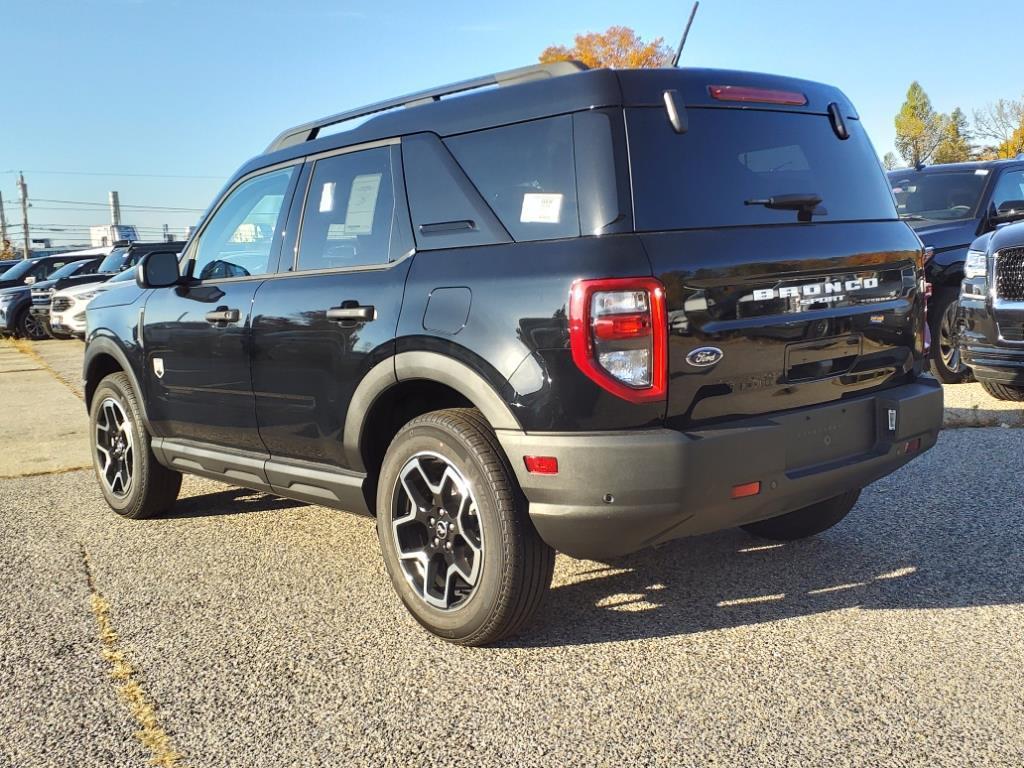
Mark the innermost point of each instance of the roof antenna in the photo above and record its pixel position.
(679, 50)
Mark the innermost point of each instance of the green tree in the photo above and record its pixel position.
(890, 161)
(955, 146)
(919, 128)
(618, 47)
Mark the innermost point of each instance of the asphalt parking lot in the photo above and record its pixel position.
(247, 630)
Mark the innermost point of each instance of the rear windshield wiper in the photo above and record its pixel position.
(804, 203)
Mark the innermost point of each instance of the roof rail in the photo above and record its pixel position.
(309, 131)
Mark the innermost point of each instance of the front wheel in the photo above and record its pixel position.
(943, 317)
(30, 327)
(807, 521)
(457, 541)
(134, 484)
(1008, 392)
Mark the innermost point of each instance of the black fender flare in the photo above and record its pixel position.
(104, 345)
(429, 366)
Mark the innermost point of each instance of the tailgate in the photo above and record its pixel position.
(792, 315)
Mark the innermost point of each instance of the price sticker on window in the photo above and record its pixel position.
(541, 208)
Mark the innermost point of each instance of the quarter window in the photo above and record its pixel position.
(349, 217)
(527, 174)
(239, 240)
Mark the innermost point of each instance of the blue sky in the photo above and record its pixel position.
(189, 88)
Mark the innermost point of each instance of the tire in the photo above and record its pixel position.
(1009, 392)
(508, 566)
(947, 362)
(134, 484)
(805, 522)
(28, 327)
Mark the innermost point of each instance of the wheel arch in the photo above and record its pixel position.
(103, 357)
(407, 385)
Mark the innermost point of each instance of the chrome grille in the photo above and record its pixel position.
(60, 304)
(1010, 274)
(1012, 332)
(41, 298)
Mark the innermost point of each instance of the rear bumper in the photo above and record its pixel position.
(617, 492)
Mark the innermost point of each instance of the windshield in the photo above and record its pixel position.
(937, 196)
(114, 261)
(723, 170)
(68, 269)
(128, 274)
(19, 270)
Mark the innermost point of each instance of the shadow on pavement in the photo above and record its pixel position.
(935, 552)
(232, 501)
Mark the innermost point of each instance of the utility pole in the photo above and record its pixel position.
(167, 236)
(23, 187)
(3, 220)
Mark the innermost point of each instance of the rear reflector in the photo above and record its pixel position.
(541, 465)
(747, 489)
(759, 95)
(913, 446)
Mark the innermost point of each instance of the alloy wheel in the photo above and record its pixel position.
(949, 349)
(33, 328)
(115, 447)
(437, 531)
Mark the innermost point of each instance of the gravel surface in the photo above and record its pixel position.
(266, 634)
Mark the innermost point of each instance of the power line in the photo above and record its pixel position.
(126, 175)
(107, 204)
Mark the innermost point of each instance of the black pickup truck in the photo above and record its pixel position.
(948, 206)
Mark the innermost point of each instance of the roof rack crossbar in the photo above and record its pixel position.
(309, 131)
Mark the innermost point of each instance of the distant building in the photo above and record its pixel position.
(108, 234)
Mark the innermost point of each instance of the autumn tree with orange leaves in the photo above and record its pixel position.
(618, 47)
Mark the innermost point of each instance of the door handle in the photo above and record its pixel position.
(349, 310)
(222, 315)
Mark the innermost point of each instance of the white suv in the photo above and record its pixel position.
(67, 307)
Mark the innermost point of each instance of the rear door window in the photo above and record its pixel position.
(706, 176)
(527, 174)
(349, 215)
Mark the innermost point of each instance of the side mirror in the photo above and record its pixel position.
(1008, 210)
(29, 280)
(158, 269)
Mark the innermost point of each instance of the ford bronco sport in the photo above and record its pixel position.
(585, 311)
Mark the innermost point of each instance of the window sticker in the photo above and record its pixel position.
(981, 172)
(327, 197)
(362, 202)
(541, 208)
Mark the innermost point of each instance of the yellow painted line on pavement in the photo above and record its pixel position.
(127, 681)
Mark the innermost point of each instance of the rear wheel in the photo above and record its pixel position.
(134, 484)
(943, 311)
(457, 541)
(30, 327)
(1004, 391)
(807, 521)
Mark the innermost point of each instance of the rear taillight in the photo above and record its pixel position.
(757, 95)
(618, 335)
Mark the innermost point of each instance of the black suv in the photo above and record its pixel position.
(502, 329)
(991, 331)
(948, 206)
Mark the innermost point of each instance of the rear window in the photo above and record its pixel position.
(527, 174)
(704, 177)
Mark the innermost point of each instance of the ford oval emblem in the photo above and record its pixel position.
(703, 357)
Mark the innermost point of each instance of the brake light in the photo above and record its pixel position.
(759, 95)
(618, 332)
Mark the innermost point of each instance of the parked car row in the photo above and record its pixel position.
(47, 296)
